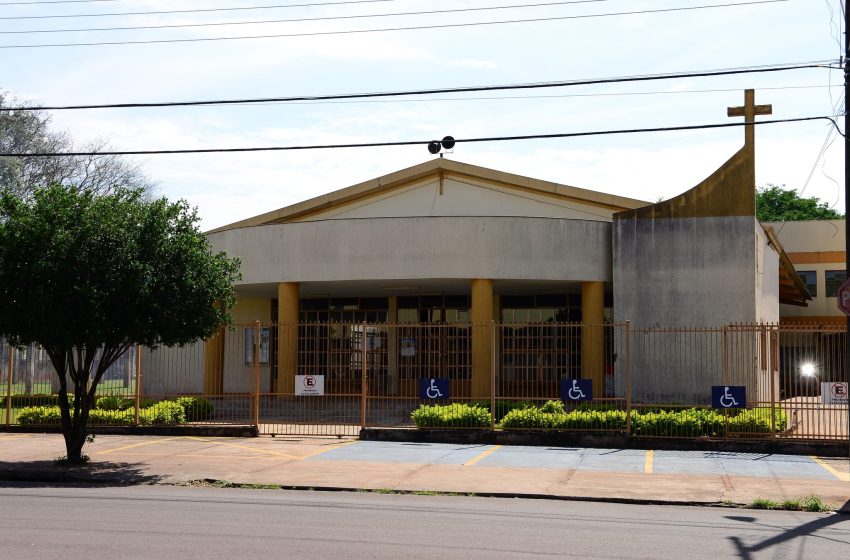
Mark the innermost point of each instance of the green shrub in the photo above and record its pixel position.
(757, 420)
(98, 417)
(196, 408)
(542, 418)
(163, 412)
(503, 406)
(111, 402)
(529, 418)
(451, 416)
(593, 420)
(39, 415)
(553, 407)
(688, 422)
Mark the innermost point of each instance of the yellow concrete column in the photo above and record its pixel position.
(214, 363)
(592, 344)
(287, 337)
(482, 340)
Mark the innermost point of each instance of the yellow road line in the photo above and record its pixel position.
(482, 455)
(647, 462)
(319, 452)
(837, 474)
(245, 447)
(137, 445)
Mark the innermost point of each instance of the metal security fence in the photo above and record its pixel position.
(334, 378)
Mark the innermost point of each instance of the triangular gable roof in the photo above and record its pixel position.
(438, 167)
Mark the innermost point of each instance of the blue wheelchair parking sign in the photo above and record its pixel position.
(729, 396)
(432, 388)
(576, 390)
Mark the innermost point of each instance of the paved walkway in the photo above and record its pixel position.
(347, 463)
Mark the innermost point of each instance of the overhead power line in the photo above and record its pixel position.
(54, 2)
(418, 142)
(389, 29)
(294, 20)
(225, 9)
(435, 91)
(556, 96)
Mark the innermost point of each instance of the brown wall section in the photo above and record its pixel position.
(729, 191)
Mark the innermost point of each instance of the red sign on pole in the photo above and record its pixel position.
(844, 297)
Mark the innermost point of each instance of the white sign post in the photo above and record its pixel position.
(309, 385)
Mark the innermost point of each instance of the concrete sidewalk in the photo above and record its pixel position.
(686, 477)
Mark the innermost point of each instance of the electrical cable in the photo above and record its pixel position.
(421, 142)
(390, 29)
(292, 20)
(562, 96)
(435, 91)
(225, 9)
(54, 2)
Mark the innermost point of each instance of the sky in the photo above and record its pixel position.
(571, 40)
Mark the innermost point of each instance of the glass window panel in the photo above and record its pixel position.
(408, 315)
(834, 279)
(810, 279)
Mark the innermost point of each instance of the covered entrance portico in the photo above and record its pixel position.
(461, 330)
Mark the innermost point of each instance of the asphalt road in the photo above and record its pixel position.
(95, 523)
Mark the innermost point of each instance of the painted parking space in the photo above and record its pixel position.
(738, 464)
(281, 449)
(406, 452)
(618, 460)
(604, 460)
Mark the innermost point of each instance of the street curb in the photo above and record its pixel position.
(182, 430)
(64, 476)
(604, 440)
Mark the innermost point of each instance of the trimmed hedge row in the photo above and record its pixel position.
(690, 422)
(451, 416)
(178, 411)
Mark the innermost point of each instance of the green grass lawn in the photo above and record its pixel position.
(108, 387)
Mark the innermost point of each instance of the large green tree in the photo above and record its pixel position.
(776, 204)
(87, 276)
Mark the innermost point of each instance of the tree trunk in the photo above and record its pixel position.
(75, 438)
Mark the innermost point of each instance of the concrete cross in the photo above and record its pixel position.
(749, 112)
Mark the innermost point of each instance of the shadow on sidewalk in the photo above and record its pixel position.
(809, 529)
(96, 472)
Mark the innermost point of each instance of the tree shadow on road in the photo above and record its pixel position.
(809, 529)
(103, 473)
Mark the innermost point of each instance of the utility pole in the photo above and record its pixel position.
(847, 200)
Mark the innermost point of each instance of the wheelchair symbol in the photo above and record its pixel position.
(433, 391)
(727, 401)
(575, 392)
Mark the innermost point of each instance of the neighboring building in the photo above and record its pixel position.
(817, 249)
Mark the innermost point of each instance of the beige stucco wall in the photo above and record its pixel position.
(463, 197)
(421, 248)
(238, 376)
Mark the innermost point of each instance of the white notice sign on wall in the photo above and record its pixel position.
(309, 385)
(833, 392)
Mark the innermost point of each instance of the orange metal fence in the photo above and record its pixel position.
(336, 378)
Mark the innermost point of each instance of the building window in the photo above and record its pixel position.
(834, 279)
(810, 279)
(250, 348)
